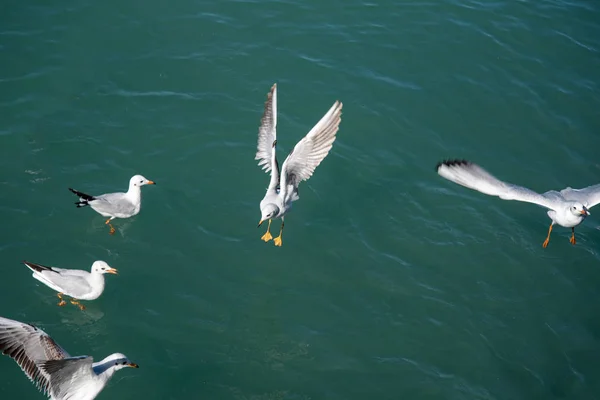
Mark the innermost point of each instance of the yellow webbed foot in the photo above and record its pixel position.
(545, 244)
(78, 304)
(267, 236)
(112, 230)
(277, 241)
(572, 240)
(61, 303)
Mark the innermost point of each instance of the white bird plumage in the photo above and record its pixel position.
(299, 165)
(78, 284)
(50, 367)
(567, 208)
(116, 205)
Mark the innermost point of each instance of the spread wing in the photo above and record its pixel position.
(589, 196)
(69, 376)
(309, 152)
(267, 138)
(29, 346)
(474, 177)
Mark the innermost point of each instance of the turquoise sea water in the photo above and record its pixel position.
(392, 283)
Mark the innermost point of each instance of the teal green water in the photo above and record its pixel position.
(392, 283)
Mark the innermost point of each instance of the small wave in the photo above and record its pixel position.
(161, 93)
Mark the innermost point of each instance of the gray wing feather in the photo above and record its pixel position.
(267, 132)
(74, 285)
(474, 177)
(73, 272)
(62, 372)
(28, 346)
(310, 151)
(113, 203)
(589, 196)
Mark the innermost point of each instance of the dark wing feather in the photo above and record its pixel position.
(28, 346)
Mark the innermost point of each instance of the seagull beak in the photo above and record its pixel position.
(585, 211)
(151, 183)
(112, 271)
(260, 223)
(132, 365)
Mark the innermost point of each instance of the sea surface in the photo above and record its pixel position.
(392, 283)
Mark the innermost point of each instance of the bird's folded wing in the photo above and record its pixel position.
(589, 196)
(113, 203)
(311, 150)
(28, 346)
(474, 177)
(74, 285)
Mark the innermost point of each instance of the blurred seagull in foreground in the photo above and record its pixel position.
(299, 164)
(49, 366)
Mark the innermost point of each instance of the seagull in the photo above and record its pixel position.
(78, 284)
(49, 366)
(299, 164)
(116, 205)
(567, 208)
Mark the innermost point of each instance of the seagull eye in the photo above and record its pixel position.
(141, 181)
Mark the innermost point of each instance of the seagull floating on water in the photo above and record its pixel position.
(50, 367)
(299, 164)
(567, 208)
(116, 205)
(75, 283)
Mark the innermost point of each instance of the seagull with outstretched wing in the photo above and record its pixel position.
(567, 208)
(50, 367)
(299, 164)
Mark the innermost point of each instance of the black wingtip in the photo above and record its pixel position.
(36, 267)
(85, 197)
(452, 163)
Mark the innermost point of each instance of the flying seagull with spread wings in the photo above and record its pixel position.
(116, 205)
(49, 366)
(299, 164)
(567, 208)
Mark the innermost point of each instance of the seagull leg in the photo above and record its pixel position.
(545, 244)
(76, 302)
(61, 302)
(277, 240)
(267, 236)
(112, 229)
(572, 240)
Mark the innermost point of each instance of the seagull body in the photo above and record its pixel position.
(567, 208)
(50, 367)
(77, 284)
(116, 205)
(299, 164)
